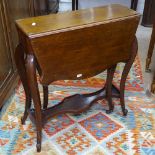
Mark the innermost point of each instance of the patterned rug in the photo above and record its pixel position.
(90, 133)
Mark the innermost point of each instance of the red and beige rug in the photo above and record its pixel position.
(91, 133)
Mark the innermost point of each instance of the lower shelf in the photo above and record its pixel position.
(75, 104)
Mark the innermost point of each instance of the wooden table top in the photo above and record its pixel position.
(54, 23)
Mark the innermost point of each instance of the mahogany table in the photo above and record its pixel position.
(74, 45)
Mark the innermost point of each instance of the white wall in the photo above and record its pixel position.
(64, 5)
(140, 6)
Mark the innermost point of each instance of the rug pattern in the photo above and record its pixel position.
(92, 132)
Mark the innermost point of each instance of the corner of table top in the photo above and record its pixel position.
(55, 23)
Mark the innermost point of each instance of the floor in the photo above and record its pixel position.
(143, 33)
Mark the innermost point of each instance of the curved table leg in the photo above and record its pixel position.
(32, 82)
(45, 92)
(125, 74)
(45, 87)
(110, 75)
(20, 63)
(150, 51)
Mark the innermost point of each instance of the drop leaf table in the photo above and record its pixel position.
(73, 46)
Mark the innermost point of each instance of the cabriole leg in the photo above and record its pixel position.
(32, 81)
(110, 75)
(125, 74)
(45, 92)
(20, 63)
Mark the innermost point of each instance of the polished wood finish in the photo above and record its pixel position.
(149, 56)
(45, 92)
(19, 58)
(67, 37)
(149, 13)
(73, 45)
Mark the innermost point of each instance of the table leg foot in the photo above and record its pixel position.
(148, 70)
(109, 111)
(23, 119)
(38, 146)
(27, 107)
(125, 112)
